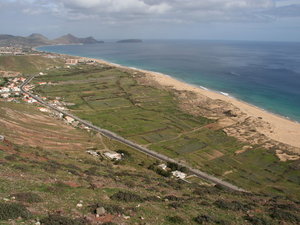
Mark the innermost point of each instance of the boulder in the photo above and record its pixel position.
(100, 211)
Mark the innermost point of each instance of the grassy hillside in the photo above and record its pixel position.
(113, 99)
(46, 176)
(27, 64)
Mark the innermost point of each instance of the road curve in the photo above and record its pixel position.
(142, 149)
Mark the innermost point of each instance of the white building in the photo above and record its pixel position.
(16, 89)
(113, 155)
(1, 138)
(163, 166)
(31, 100)
(178, 174)
(44, 109)
(5, 89)
(5, 95)
(93, 153)
(69, 119)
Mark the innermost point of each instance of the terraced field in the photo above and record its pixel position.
(113, 99)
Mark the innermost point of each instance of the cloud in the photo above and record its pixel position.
(168, 11)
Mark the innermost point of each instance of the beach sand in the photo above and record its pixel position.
(280, 129)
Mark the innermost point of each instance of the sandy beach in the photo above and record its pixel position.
(282, 129)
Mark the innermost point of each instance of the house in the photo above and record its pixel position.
(178, 174)
(16, 89)
(113, 155)
(5, 89)
(1, 138)
(42, 83)
(69, 119)
(93, 153)
(43, 109)
(163, 166)
(5, 95)
(71, 61)
(31, 100)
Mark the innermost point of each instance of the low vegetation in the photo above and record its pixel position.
(13, 211)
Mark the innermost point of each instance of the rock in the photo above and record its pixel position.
(230, 113)
(126, 217)
(100, 211)
(79, 205)
(1, 138)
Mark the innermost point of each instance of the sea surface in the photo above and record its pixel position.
(265, 74)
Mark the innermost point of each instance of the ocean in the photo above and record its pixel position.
(265, 74)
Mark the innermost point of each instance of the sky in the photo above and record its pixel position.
(261, 20)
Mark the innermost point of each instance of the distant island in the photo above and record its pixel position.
(130, 41)
(35, 39)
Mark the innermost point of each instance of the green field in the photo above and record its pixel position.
(113, 99)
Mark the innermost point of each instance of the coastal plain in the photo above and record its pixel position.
(166, 119)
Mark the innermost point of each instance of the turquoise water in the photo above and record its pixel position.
(264, 74)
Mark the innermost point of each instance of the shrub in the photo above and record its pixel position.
(11, 157)
(127, 197)
(175, 205)
(257, 220)
(175, 166)
(124, 153)
(159, 170)
(22, 167)
(152, 199)
(13, 211)
(110, 208)
(234, 205)
(61, 220)
(172, 198)
(175, 219)
(162, 172)
(27, 197)
(284, 216)
(92, 171)
(202, 219)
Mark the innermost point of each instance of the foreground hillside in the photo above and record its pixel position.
(47, 176)
(50, 173)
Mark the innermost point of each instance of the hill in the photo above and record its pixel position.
(28, 64)
(38, 39)
(47, 176)
(71, 39)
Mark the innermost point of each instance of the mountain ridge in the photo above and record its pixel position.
(37, 39)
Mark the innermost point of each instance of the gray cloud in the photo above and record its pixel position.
(168, 11)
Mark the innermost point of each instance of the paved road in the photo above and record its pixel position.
(118, 138)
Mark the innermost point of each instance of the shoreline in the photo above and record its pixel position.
(283, 130)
